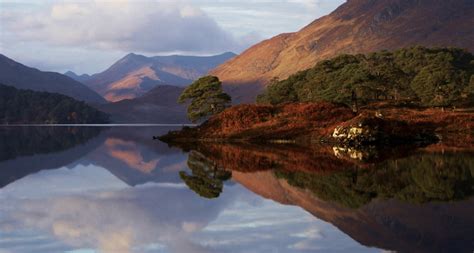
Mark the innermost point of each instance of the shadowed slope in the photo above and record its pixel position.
(22, 77)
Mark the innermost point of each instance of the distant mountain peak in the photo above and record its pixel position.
(134, 56)
(80, 78)
(134, 74)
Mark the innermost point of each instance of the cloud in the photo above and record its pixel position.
(88, 36)
(146, 26)
(307, 3)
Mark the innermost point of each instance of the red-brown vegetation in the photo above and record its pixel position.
(253, 157)
(309, 122)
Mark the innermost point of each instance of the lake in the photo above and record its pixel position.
(115, 189)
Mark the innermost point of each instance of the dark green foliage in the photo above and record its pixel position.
(28, 107)
(430, 77)
(207, 98)
(207, 179)
(417, 179)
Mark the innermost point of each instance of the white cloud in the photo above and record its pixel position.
(88, 36)
(145, 26)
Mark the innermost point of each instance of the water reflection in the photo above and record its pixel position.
(117, 190)
(207, 179)
(399, 200)
(27, 150)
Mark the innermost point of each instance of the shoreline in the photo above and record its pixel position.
(324, 122)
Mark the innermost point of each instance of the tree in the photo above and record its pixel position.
(429, 77)
(206, 98)
(207, 180)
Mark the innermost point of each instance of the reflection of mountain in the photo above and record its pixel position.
(388, 224)
(131, 155)
(136, 159)
(404, 204)
(26, 150)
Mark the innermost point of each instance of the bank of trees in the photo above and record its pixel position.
(427, 77)
(28, 107)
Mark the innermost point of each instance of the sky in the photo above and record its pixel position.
(87, 36)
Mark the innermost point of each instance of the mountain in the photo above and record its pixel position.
(357, 26)
(80, 78)
(22, 77)
(134, 75)
(156, 106)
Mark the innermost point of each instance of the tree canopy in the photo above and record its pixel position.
(428, 77)
(206, 98)
(27, 107)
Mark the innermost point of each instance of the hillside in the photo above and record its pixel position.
(22, 77)
(358, 26)
(33, 107)
(134, 75)
(422, 76)
(156, 106)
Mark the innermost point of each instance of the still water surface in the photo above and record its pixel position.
(114, 189)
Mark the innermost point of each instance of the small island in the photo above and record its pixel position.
(409, 96)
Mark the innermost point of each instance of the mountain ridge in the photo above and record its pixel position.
(357, 26)
(20, 76)
(77, 77)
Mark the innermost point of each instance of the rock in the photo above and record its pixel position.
(368, 130)
(362, 131)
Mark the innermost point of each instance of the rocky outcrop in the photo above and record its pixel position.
(367, 130)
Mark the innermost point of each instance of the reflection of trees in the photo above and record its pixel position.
(27, 150)
(207, 179)
(393, 173)
(416, 179)
(26, 141)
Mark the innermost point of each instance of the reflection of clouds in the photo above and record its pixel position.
(149, 218)
(309, 239)
(117, 221)
(270, 227)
